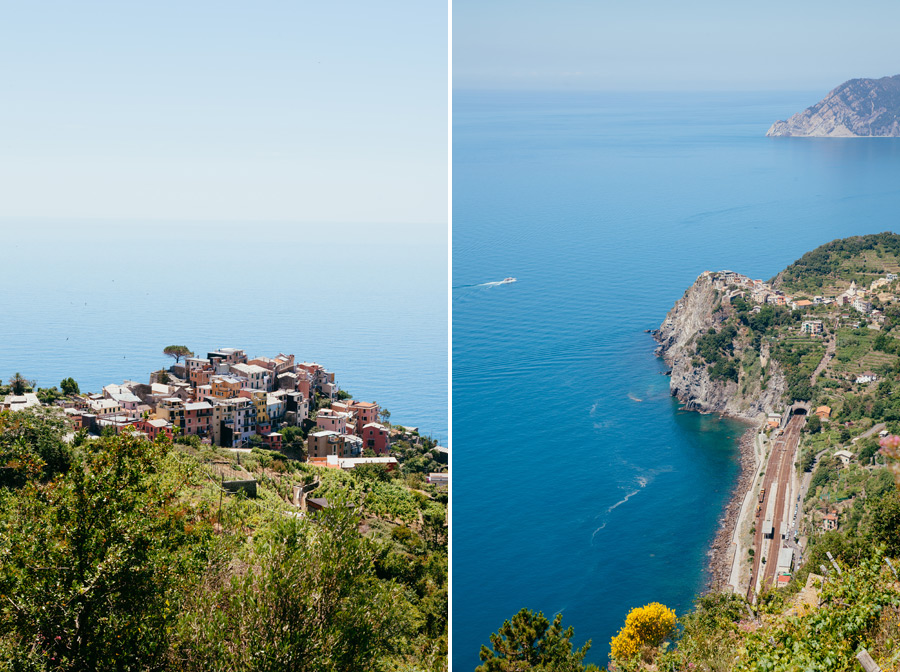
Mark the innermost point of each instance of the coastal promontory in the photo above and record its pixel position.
(715, 365)
(856, 108)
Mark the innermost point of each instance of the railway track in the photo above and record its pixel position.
(776, 482)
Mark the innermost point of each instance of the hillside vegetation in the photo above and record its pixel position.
(119, 553)
(830, 268)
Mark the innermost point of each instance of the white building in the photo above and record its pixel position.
(844, 456)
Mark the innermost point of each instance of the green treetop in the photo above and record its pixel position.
(529, 642)
(177, 351)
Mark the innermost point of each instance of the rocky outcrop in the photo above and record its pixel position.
(857, 108)
(702, 308)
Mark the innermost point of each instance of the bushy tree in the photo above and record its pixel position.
(177, 352)
(646, 626)
(528, 641)
(93, 563)
(884, 522)
(69, 386)
(434, 524)
(32, 445)
(866, 450)
(813, 425)
(306, 599)
(48, 395)
(19, 384)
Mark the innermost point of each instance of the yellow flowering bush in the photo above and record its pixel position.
(644, 626)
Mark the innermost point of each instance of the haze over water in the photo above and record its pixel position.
(98, 301)
(578, 483)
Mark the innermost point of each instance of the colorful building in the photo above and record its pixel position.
(362, 412)
(153, 427)
(198, 418)
(233, 422)
(324, 443)
(376, 437)
(258, 377)
(332, 420)
(225, 387)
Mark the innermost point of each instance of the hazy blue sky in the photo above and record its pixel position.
(663, 45)
(174, 109)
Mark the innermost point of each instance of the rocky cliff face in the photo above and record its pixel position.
(858, 108)
(701, 308)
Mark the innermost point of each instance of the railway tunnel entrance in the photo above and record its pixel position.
(800, 408)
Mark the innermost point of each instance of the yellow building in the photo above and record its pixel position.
(259, 398)
(225, 387)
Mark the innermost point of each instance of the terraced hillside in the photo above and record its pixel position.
(830, 268)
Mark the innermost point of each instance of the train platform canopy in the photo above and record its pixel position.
(785, 561)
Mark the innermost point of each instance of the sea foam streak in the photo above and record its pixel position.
(642, 481)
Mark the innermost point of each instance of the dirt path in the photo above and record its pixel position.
(865, 435)
(830, 349)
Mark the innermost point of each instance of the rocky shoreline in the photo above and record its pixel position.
(718, 567)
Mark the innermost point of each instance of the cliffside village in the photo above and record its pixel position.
(226, 398)
(854, 297)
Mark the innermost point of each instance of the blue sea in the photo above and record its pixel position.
(579, 485)
(99, 300)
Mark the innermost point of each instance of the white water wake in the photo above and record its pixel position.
(493, 283)
(642, 482)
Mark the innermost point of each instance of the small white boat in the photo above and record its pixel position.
(506, 281)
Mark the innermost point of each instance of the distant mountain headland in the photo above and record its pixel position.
(857, 108)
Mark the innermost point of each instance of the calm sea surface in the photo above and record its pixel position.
(99, 301)
(579, 485)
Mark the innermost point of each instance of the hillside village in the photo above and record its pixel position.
(859, 299)
(232, 401)
(823, 315)
(230, 513)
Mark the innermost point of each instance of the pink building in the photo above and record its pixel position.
(153, 427)
(334, 421)
(198, 418)
(272, 441)
(377, 438)
(303, 386)
(200, 377)
(363, 412)
(366, 413)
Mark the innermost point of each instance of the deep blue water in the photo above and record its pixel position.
(578, 484)
(99, 301)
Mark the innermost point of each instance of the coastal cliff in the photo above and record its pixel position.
(752, 384)
(857, 108)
